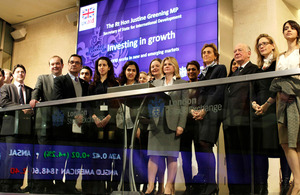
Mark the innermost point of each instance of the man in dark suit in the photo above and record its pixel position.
(16, 126)
(71, 86)
(43, 91)
(236, 125)
(69, 132)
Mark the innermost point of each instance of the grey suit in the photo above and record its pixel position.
(176, 113)
(10, 97)
(173, 114)
(16, 128)
(43, 90)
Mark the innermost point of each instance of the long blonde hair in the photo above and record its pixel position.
(260, 58)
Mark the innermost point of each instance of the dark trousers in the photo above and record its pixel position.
(238, 159)
(186, 154)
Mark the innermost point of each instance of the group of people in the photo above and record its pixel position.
(253, 131)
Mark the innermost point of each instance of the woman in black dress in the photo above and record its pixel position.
(266, 143)
(101, 129)
(104, 77)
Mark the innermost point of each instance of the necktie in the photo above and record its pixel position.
(76, 79)
(237, 72)
(21, 96)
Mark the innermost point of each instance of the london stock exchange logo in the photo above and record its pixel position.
(156, 107)
(57, 118)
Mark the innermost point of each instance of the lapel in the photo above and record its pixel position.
(70, 84)
(15, 93)
(84, 87)
(28, 94)
(246, 69)
(50, 81)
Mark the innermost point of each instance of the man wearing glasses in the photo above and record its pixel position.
(67, 118)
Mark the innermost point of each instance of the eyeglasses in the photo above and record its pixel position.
(191, 69)
(262, 44)
(74, 62)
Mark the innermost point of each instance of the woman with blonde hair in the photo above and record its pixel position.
(155, 69)
(167, 126)
(288, 93)
(266, 142)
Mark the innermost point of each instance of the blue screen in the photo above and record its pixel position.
(143, 30)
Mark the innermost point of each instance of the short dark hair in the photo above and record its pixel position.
(75, 55)
(2, 71)
(293, 24)
(19, 66)
(55, 56)
(215, 49)
(89, 69)
(195, 63)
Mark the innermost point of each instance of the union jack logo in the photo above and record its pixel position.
(88, 13)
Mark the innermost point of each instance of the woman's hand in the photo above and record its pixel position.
(97, 121)
(255, 106)
(100, 123)
(262, 109)
(179, 131)
(138, 133)
(198, 114)
(79, 119)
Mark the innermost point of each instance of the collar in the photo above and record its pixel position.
(72, 76)
(17, 84)
(174, 78)
(211, 64)
(57, 76)
(243, 66)
(204, 70)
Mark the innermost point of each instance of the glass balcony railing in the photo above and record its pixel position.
(115, 143)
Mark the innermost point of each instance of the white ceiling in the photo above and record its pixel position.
(18, 11)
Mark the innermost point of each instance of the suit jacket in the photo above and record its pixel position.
(237, 100)
(176, 112)
(43, 90)
(63, 115)
(63, 87)
(10, 97)
(211, 98)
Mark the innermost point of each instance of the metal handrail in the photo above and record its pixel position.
(124, 94)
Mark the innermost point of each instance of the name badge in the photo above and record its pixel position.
(103, 108)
